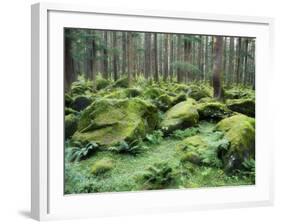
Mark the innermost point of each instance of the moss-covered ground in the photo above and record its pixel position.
(127, 169)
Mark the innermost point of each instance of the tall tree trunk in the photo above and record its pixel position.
(115, 56)
(179, 55)
(246, 61)
(156, 75)
(171, 57)
(166, 56)
(230, 61)
(124, 52)
(206, 67)
(130, 55)
(217, 70)
(105, 55)
(147, 56)
(94, 60)
(69, 75)
(238, 60)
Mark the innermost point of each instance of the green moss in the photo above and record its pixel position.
(153, 93)
(68, 111)
(102, 166)
(198, 92)
(108, 121)
(244, 106)
(213, 110)
(102, 83)
(70, 125)
(122, 83)
(182, 115)
(240, 132)
(164, 102)
(192, 157)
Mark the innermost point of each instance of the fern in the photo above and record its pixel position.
(134, 147)
(78, 152)
(155, 138)
(182, 134)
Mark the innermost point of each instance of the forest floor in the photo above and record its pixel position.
(99, 158)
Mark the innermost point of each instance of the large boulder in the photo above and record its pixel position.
(109, 121)
(81, 102)
(70, 125)
(198, 92)
(182, 115)
(243, 106)
(239, 130)
(213, 111)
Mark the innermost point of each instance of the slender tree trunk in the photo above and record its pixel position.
(166, 57)
(238, 59)
(94, 61)
(179, 55)
(68, 68)
(156, 75)
(217, 70)
(124, 52)
(105, 56)
(230, 61)
(206, 70)
(130, 55)
(147, 48)
(171, 57)
(115, 56)
(246, 61)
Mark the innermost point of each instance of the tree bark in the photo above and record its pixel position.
(166, 57)
(147, 56)
(105, 55)
(69, 75)
(230, 61)
(115, 55)
(217, 70)
(156, 75)
(130, 55)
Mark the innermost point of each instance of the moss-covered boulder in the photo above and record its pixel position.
(239, 93)
(243, 106)
(81, 102)
(70, 125)
(122, 83)
(110, 121)
(153, 93)
(198, 92)
(102, 166)
(182, 115)
(122, 93)
(179, 98)
(163, 102)
(68, 110)
(213, 111)
(239, 130)
(191, 149)
(102, 83)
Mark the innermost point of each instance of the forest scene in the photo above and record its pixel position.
(151, 111)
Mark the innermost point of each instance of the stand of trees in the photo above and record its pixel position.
(159, 56)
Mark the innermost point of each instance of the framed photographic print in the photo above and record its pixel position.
(138, 111)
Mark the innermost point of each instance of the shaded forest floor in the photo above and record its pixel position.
(177, 137)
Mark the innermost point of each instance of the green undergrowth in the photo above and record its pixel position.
(158, 165)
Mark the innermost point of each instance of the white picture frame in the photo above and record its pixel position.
(48, 201)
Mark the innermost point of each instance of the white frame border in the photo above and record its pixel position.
(40, 104)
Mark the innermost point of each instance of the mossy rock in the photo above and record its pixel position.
(164, 102)
(133, 92)
(198, 92)
(239, 130)
(243, 106)
(179, 98)
(213, 111)
(122, 93)
(153, 93)
(191, 149)
(239, 93)
(81, 102)
(102, 83)
(207, 100)
(70, 125)
(121, 83)
(102, 166)
(68, 111)
(182, 115)
(110, 121)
